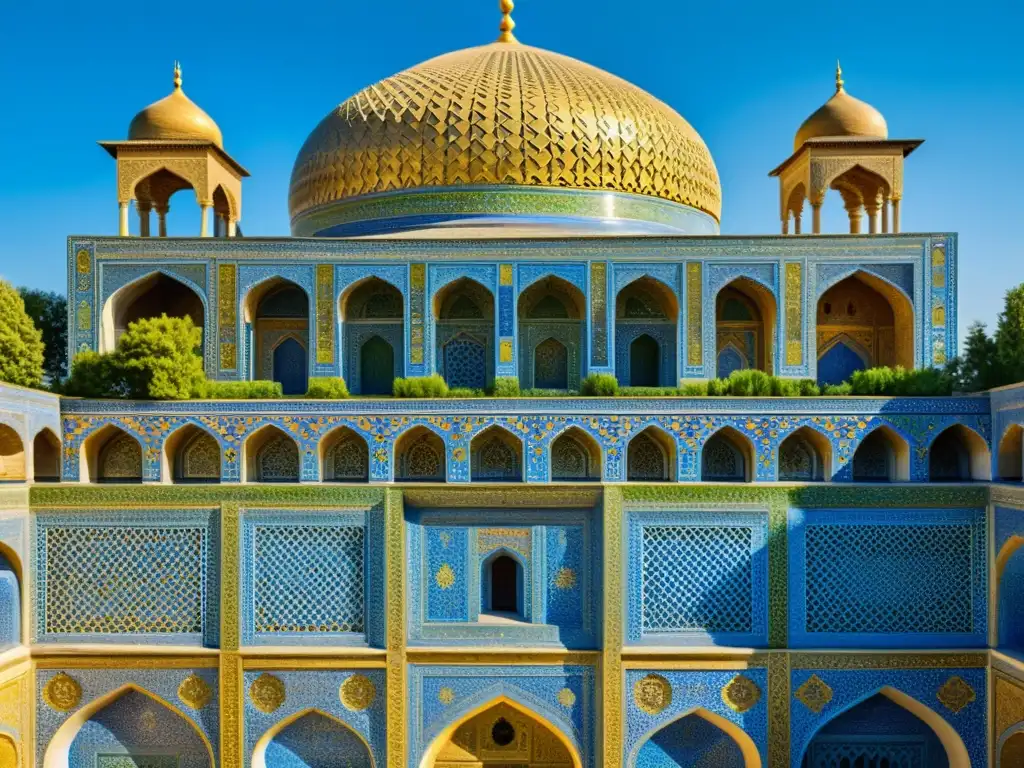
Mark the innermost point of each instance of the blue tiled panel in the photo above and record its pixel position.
(447, 546)
(565, 576)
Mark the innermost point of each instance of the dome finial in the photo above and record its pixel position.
(507, 25)
(177, 76)
(839, 77)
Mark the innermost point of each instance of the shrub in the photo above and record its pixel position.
(95, 375)
(898, 381)
(461, 393)
(599, 385)
(548, 393)
(694, 389)
(838, 390)
(506, 386)
(21, 343)
(239, 390)
(327, 388)
(420, 386)
(750, 383)
(648, 392)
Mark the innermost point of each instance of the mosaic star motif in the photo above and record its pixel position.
(814, 694)
(741, 694)
(955, 694)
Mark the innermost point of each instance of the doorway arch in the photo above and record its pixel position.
(376, 367)
(149, 296)
(696, 737)
(372, 308)
(745, 312)
(314, 730)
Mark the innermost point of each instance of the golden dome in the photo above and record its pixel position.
(175, 117)
(504, 114)
(842, 115)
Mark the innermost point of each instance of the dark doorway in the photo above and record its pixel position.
(376, 367)
(644, 363)
(290, 367)
(504, 589)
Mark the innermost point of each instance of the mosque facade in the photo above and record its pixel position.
(542, 581)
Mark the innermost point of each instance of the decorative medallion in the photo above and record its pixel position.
(357, 693)
(652, 694)
(741, 693)
(566, 698)
(148, 720)
(62, 692)
(814, 694)
(195, 692)
(565, 579)
(266, 693)
(446, 696)
(955, 694)
(84, 261)
(445, 576)
(505, 351)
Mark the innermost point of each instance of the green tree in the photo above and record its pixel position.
(21, 345)
(976, 368)
(1009, 338)
(156, 358)
(49, 311)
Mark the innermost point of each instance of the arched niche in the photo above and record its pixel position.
(12, 456)
(496, 455)
(863, 322)
(1009, 579)
(727, 457)
(861, 189)
(8, 752)
(503, 585)
(46, 457)
(882, 456)
(646, 316)
(651, 457)
(276, 314)
(958, 454)
(745, 313)
(805, 456)
(110, 455)
(551, 316)
(153, 295)
(225, 212)
(501, 732)
(575, 457)
(345, 457)
(464, 334)
(888, 728)
(269, 455)
(10, 598)
(129, 721)
(1010, 463)
(308, 737)
(1012, 751)
(373, 327)
(697, 738)
(420, 457)
(191, 455)
(153, 192)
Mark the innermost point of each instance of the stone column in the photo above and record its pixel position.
(873, 221)
(204, 220)
(816, 217)
(796, 223)
(143, 210)
(161, 218)
(895, 215)
(232, 227)
(122, 228)
(785, 224)
(885, 215)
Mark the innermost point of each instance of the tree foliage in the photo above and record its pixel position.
(1009, 337)
(156, 358)
(994, 361)
(21, 345)
(49, 312)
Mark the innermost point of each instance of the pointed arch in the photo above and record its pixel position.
(372, 312)
(110, 455)
(1011, 751)
(8, 751)
(651, 456)
(745, 319)
(882, 456)
(551, 314)
(1010, 456)
(496, 456)
(958, 454)
(274, 310)
(420, 456)
(344, 456)
(646, 320)
(956, 751)
(259, 754)
(1009, 592)
(463, 329)
(353, 299)
(12, 455)
(57, 753)
(727, 456)
(151, 295)
(805, 455)
(503, 591)
(744, 743)
(191, 454)
(443, 738)
(270, 455)
(575, 456)
(46, 456)
(11, 598)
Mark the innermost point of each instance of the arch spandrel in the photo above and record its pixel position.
(746, 746)
(264, 743)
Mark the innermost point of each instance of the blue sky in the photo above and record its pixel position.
(745, 74)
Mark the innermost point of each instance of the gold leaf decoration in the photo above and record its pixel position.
(814, 694)
(195, 692)
(62, 693)
(445, 576)
(565, 579)
(652, 694)
(955, 694)
(267, 693)
(357, 693)
(566, 698)
(446, 696)
(741, 694)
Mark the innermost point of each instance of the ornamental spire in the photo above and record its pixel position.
(839, 77)
(177, 76)
(507, 25)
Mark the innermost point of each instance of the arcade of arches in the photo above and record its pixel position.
(500, 737)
